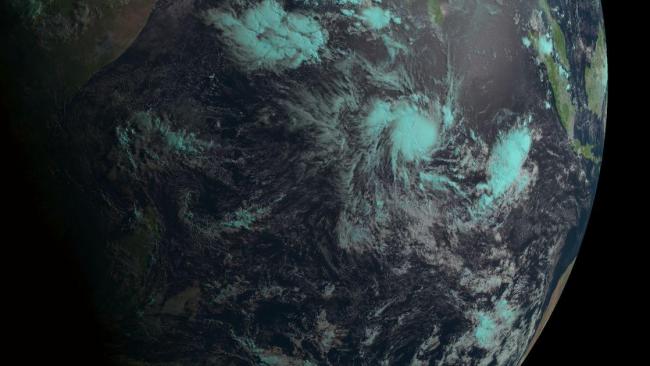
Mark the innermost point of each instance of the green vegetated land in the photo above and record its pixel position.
(551, 45)
(596, 76)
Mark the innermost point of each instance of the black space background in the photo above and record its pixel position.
(49, 319)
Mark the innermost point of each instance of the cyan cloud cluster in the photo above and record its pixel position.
(413, 135)
(267, 37)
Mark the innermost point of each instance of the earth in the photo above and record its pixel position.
(344, 182)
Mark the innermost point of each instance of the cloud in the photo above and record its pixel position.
(267, 37)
